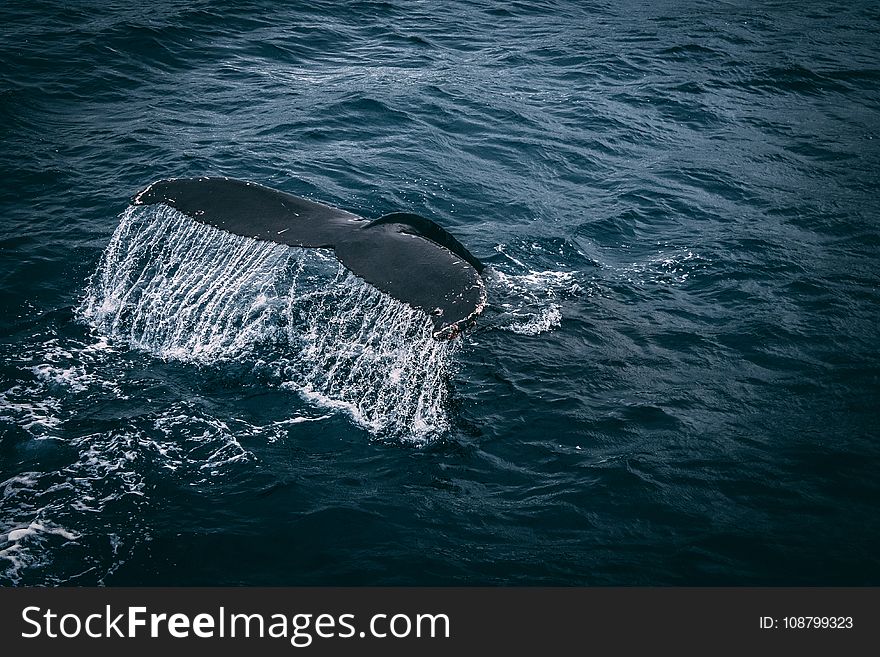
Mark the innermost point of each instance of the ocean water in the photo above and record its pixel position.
(676, 380)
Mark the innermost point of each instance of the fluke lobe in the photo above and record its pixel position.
(406, 256)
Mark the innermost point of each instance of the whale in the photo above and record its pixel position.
(407, 256)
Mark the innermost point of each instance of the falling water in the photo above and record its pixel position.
(186, 291)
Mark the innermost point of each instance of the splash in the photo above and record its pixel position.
(529, 302)
(359, 350)
(185, 291)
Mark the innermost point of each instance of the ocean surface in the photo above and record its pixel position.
(676, 380)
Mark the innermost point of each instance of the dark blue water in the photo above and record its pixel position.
(676, 380)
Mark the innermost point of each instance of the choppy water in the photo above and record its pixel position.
(675, 382)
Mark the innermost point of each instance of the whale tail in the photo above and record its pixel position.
(407, 256)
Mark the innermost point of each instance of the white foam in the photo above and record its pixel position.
(273, 431)
(38, 528)
(544, 320)
(73, 378)
(111, 470)
(26, 547)
(669, 266)
(529, 301)
(31, 409)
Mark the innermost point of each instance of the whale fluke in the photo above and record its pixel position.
(406, 256)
